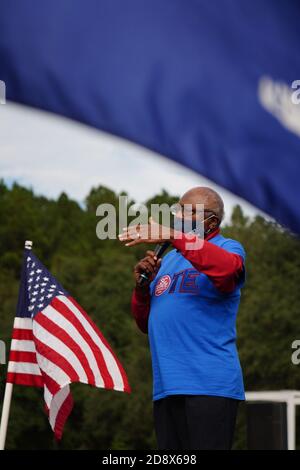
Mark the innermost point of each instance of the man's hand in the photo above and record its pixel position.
(150, 265)
(149, 233)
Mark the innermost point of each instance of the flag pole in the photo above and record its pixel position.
(8, 394)
(5, 414)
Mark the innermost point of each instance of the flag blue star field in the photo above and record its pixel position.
(212, 85)
(55, 343)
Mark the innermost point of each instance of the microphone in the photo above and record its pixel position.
(159, 251)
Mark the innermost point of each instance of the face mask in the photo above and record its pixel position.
(189, 225)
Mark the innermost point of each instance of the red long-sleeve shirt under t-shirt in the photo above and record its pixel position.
(223, 268)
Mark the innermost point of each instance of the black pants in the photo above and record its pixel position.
(194, 422)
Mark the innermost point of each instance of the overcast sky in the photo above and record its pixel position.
(52, 154)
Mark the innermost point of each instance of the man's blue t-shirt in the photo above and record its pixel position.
(192, 332)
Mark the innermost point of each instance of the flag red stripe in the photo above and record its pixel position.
(69, 315)
(58, 332)
(62, 416)
(98, 332)
(46, 409)
(25, 379)
(19, 333)
(23, 356)
(57, 359)
(51, 384)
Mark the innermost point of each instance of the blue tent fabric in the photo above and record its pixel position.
(204, 83)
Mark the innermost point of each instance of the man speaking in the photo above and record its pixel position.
(188, 308)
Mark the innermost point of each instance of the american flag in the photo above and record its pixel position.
(55, 343)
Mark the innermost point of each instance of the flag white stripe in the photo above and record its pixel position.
(47, 396)
(56, 404)
(47, 338)
(67, 326)
(23, 368)
(22, 345)
(111, 363)
(51, 369)
(23, 323)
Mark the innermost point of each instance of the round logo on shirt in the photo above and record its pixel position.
(162, 285)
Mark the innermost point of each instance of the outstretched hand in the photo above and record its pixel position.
(149, 233)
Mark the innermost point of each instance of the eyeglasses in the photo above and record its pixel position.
(189, 212)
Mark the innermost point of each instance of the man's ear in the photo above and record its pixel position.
(214, 223)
